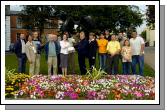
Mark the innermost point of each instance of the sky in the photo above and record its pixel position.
(139, 29)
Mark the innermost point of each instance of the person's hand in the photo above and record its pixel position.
(142, 53)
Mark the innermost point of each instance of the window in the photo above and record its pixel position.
(19, 23)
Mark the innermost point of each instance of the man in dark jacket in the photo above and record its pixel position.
(92, 50)
(82, 48)
(20, 53)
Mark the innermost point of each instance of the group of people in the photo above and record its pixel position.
(60, 52)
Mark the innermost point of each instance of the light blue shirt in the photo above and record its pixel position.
(52, 49)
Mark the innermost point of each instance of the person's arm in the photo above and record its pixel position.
(122, 50)
(142, 46)
(63, 46)
(119, 48)
(27, 53)
(108, 47)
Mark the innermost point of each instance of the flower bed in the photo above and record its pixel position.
(76, 87)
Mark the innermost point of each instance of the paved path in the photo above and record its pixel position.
(150, 56)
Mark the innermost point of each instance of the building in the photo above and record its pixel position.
(7, 28)
(14, 26)
(150, 36)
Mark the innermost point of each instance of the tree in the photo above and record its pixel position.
(150, 16)
(91, 17)
(143, 34)
(35, 16)
(88, 17)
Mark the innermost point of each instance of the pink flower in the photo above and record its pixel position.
(138, 94)
(74, 96)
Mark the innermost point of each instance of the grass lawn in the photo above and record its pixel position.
(12, 63)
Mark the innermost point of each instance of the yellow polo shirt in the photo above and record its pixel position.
(113, 47)
(102, 44)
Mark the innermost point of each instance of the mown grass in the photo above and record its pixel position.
(12, 63)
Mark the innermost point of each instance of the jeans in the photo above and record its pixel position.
(126, 67)
(22, 63)
(137, 59)
(102, 59)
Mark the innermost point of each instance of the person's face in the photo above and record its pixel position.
(35, 34)
(134, 34)
(102, 36)
(91, 37)
(126, 43)
(64, 37)
(55, 37)
(82, 35)
(51, 37)
(22, 36)
(30, 38)
(113, 37)
(120, 34)
(107, 32)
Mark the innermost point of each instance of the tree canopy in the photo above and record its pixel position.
(88, 17)
(150, 16)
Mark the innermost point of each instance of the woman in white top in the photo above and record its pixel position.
(64, 44)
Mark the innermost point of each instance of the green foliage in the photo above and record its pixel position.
(36, 16)
(150, 16)
(9, 73)
(143, 34)
(95, 74)
(114, 17)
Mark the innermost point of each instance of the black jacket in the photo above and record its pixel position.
(92, 48)
(83, 47)
(18, 48)
(108, 38)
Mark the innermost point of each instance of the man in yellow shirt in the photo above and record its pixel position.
(113, 50)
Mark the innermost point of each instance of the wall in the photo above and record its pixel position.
(150, 37)
(7, 33)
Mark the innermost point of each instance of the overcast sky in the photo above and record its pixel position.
(139, 29)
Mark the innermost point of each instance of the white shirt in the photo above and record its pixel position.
(64, 47)
(23, 46)
(136, 45)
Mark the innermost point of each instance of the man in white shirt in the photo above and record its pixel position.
(20, 53)
(137, 44)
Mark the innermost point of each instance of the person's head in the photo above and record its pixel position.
(22, 36)
(107, 32)
(101, 36)
(134, 34)
(113, 37)
(91, 36)
(120, 34)
(65, 37)
(51, 37)
(35, 34)
(29, 38)
(82, 35)
(55, 37)
(126, 42)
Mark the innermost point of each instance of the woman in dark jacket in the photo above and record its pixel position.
(92, 50)
(83, 48)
